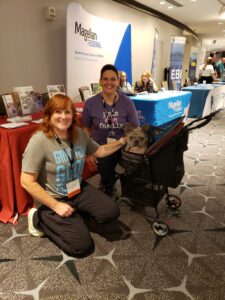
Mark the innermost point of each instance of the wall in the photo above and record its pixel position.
(32, 49)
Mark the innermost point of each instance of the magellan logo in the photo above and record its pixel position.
(175, 105)
(88, 35)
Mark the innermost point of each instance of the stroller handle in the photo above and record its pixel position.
(205, 120)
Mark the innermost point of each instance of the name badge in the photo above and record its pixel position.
(110, 140)
(73, 188)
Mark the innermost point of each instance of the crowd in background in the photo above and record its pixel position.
(213, 69)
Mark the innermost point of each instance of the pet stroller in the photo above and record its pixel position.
(146, 178)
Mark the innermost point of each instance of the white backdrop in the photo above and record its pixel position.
(91, 43)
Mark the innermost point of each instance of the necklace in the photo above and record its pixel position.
(114, 100)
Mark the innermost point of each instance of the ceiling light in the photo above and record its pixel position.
(220, 23)
(170, 7)
(193, 0)
(162, 2)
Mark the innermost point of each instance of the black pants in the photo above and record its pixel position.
(106, 168)
(208, 79)
(71, 234)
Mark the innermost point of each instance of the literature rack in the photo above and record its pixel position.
(26, 97)
(11, 107)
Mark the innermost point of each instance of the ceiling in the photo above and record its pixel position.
(202, 16)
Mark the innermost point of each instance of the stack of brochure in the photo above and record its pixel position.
(13, 125)
(19, 119)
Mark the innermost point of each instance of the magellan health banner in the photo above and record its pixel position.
(92, 42)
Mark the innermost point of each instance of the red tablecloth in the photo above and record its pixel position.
(13, 198)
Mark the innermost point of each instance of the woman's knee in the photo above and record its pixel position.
(111, 214)
(79, 248)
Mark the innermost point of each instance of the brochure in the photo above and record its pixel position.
(13, 125)
(55, 89)
(10, 105)
(27, 99)
(38, 102)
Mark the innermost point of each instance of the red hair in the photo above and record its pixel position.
(58, 102)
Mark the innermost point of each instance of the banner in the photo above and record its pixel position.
(176, 61)
(154, 56)
(193, 64)
(92, 42)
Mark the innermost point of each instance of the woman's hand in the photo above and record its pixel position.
(110, 148)
(63, 209)
(123, 140)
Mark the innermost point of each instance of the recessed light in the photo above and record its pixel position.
(220, 23)
(162, 2)
(170, 7)
(193, 0)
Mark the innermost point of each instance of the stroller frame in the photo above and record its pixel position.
(146, 178)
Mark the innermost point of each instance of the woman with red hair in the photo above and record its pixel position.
(52, 170)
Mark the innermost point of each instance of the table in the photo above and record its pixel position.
(14, 199)
(206, 98)
(162, 107)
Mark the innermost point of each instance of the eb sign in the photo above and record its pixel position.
(176, 74)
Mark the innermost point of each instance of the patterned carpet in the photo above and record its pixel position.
(130, 261)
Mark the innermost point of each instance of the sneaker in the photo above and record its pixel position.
(32, 230)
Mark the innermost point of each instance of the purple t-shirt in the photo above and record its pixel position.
(108, 121)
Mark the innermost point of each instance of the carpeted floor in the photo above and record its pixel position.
(131, 262)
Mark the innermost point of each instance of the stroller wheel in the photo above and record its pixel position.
(173, 201)
(160, 228)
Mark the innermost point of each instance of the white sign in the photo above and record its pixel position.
(91, 43)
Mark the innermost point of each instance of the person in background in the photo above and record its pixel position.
(104, 117)
(206, 71)
(223, 61)
(150, 78)
(124, 85)
(52, 170)
(213, 55)
(146, 84)
(219, 67)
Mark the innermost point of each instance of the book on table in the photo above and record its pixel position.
(55, 89)
(26, 97)
(11, 106)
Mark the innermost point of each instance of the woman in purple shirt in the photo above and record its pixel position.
(104, 117)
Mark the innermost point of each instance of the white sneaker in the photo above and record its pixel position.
(32, 230)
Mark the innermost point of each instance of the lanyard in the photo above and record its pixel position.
(110, 116)
(71, 160)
